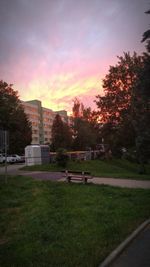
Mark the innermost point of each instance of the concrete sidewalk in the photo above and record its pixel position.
(119, 182)
(137, 253)
(122, 182)
(134, 251)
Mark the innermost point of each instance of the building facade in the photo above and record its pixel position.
(41, 120)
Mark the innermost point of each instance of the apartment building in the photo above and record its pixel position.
(48, 117)
(41, 119)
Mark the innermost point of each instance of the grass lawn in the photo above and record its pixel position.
(55, 224)
(116, 168)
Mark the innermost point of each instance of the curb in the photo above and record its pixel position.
(115, 253)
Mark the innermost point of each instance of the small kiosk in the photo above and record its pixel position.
(36, 155)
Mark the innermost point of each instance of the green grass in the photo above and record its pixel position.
(53, 224)
(116, 168)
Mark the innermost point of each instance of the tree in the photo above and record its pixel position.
(141, 106)
(62, 157)
(77, 109)
(84, 126)
(61, 134)
(13, 119)
(115, 106)
(146, 36)
(124, 109)
(117, 85)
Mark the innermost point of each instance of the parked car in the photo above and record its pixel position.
(16, 157)
(11, 159)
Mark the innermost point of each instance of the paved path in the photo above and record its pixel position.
(40, 175)
(122, 182)
(137, 254)
(14, 169)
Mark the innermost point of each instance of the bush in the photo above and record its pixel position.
(62, 157)
(130, 155)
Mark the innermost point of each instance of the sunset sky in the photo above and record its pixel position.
(56, 50)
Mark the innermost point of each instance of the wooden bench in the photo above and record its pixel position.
(77, 175)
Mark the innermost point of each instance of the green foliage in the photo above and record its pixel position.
(84, 127)
(49, 224)
(13, 119)
(85, 135)
(141, 106)
(125, 107)
(115, 106)
(117, 85)
(130, 155)
(61, 134)
(62, 157)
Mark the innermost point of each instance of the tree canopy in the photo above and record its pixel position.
(124, 109)
(146, 36)
(117, 85)
(114, 107)
(141, 105)
(13, 119)
(84, 127)
(61, 134)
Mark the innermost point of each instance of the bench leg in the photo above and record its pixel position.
(84, 180)
(68, 179)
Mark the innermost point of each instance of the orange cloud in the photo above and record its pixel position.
(58, 91)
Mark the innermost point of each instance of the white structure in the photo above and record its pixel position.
(33, 155)
(36, 155)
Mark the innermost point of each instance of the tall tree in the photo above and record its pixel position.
(146, 36)
(115, 106)
(125, 108)
(61, 134)
(84, 126)
(13, 119)
(141, 106)
(117, 85)
(77, 109)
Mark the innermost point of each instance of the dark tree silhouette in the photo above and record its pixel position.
(84, 127)
(115, 107)
(61, 134)
(13, 119)
(146, 36)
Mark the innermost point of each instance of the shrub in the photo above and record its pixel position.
(62, 157)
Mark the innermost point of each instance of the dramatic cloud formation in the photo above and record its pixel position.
(55, 50)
